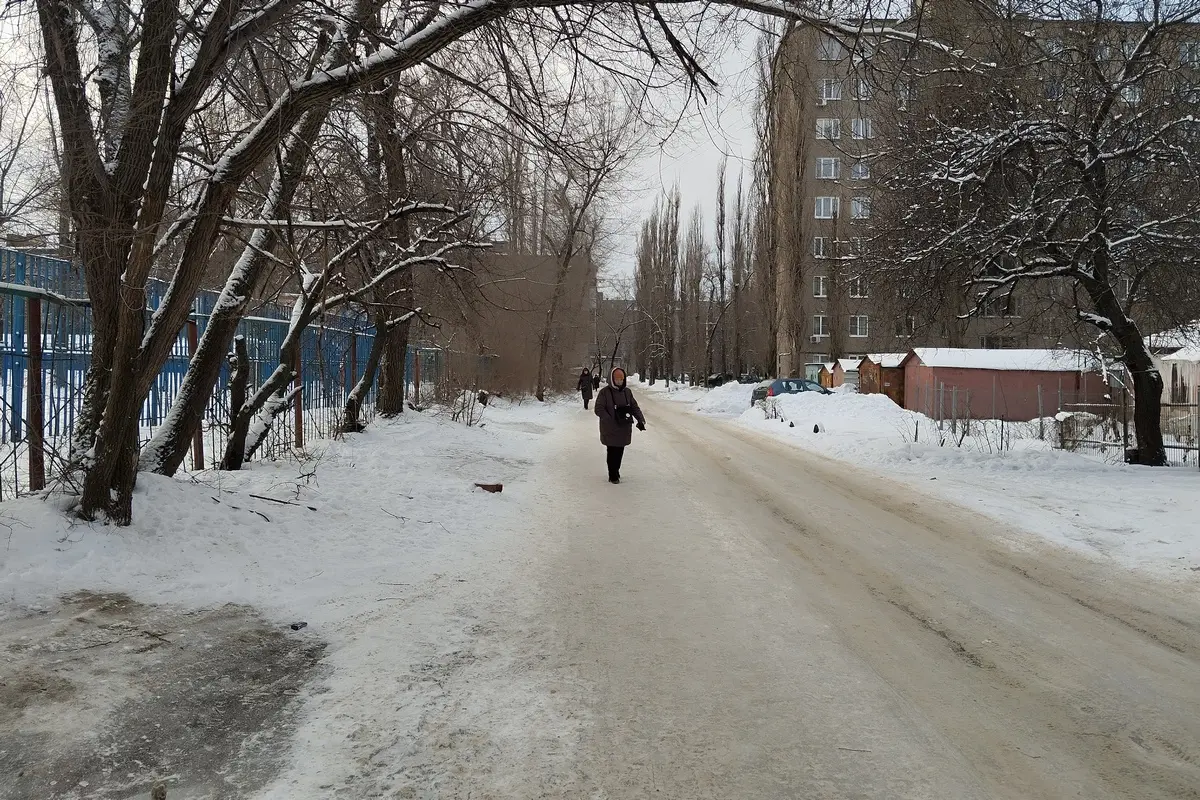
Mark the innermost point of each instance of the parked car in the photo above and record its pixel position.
(782, 386)
(746, 378)
(717, 379)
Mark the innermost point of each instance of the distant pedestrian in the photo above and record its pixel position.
(585, 386)
(617, 410)
(596, 378)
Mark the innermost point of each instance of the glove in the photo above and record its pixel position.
(641, 426)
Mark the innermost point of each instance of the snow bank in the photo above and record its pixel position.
(675, 392)
(730, 400)
(1140, 517)
(381, 543)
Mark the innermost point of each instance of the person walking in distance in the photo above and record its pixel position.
(618, 411)
(585, 386)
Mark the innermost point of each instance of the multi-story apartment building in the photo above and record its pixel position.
(832, 116)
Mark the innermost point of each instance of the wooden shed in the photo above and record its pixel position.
(845, 372)
(1176, 354)
(1013, 385)
(881, 373)
(825, 376)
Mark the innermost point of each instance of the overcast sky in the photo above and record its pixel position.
(692, 155)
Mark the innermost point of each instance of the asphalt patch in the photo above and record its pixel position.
(103, 697)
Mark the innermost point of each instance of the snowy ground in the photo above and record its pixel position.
(1137, 516)
(381, 544)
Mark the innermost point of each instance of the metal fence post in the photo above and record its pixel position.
(1125, 417)
(954, 409)
(298, 400)
(941, 405)
(37, 453)
(1041, 416)
(193, 339)
(18, 363)
(417, 376)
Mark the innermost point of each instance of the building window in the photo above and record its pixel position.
(998, 342)
(856, 247)
(829, 168)
(1132, 94)
(858, 287)
(862, 129)
(860, 207)
(861, 89)
(829, 128)
(906, 327)
(860, 170)
(829, 89)
(1053, 90)
(820, 288)
(821, 247)
(1189, 54)
(906, 92)
(830, 49)
(820, 325)
(858, 326)
(826, 208)
(1005, 306)
(1126, 287)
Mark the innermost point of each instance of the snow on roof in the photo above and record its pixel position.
(888, 360)
(829, 365)
(1185, 337)
(849, 364)
(1190, 353)
(1008, 360)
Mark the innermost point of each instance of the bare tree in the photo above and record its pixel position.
(1060, 167)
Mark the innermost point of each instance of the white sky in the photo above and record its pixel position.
(692, 155)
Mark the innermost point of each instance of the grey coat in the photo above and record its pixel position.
(613, 433)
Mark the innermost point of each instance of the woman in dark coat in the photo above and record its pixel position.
(585, 386)
(617, 410)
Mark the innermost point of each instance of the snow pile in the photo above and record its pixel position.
(675, 391)
(730, 400)
(1141, 516)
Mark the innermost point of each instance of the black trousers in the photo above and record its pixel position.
(615, 454)
(585, 401)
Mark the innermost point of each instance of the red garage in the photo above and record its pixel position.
(1014, 385)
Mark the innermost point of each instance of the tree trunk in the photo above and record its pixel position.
(548, 328)
(352, 415)
(273, 388)
(239, 373)
(390, 398)
(1147, 395)
(169, 446)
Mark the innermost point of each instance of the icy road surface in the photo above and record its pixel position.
(740, 619)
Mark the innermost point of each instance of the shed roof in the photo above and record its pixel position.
(1183, 337)
(1005, 360)
(888, 360)
(849, 364)
(1190, 353)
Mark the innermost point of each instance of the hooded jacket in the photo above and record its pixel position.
(612, 397)
(584, 385)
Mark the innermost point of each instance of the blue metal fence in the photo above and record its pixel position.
(333, 354)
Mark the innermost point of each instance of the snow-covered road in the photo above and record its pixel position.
(740, 619)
